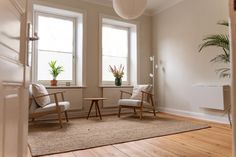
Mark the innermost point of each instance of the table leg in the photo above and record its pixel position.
(98, 110)
(90, 108)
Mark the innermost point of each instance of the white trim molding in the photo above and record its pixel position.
(195, 115)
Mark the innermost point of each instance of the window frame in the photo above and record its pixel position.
(128, 56)
(74, 53)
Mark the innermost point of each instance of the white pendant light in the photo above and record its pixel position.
(129, 9)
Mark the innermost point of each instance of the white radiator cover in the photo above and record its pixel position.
(210, 95)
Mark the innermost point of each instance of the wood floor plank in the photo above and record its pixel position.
(152, 149)
(179, 149)
(85, 153)
(132, 150)
(70, 154)
(196, 143)
(216, 138)
(108, 151)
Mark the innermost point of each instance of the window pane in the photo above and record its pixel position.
(106, 74)
(115, 41)
(55, 34)
(63, 59)
(114, 51)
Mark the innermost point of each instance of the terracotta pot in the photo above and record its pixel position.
(53, 82)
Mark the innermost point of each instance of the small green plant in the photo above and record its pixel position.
(221, 41)
(55, 70)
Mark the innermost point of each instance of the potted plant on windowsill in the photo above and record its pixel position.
(118, 73)
(54, 71)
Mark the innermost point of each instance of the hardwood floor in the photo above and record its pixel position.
(212, 142)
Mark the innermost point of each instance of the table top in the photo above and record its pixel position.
(95, 98)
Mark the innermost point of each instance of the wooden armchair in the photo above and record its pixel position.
(57, 107)
(140, 98)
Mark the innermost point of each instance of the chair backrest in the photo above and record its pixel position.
(32, 104)
(137, 94)
(40, 90)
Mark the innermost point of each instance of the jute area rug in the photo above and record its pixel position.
(48, 138)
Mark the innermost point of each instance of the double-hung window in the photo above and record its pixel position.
(56, 43)
(115, 51)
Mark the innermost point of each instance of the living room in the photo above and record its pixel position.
(87, 39)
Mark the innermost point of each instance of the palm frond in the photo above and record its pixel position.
(221, 41)
(221, 58)
(223, 23)
(218, 40)
(224, 72)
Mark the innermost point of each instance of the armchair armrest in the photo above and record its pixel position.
(121, 93)
(150, 94)
(55, 98)
(149, 97)
(49, 94)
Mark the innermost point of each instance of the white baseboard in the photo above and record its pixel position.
(196, 115)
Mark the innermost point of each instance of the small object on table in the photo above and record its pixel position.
(95, 101)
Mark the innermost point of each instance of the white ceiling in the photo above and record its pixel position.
(153, 6)
(156, 6)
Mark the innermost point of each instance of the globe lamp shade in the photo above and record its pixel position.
(129, 9)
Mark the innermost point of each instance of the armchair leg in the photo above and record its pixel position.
(60, 120)
(96, 110)
(135, 111)
(119, 111)
(66, 115)
(141, 113)
(154, 112)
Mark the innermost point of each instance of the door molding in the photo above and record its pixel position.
(232, 4)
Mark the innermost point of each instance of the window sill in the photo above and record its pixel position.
(113, 86)
(65, 87)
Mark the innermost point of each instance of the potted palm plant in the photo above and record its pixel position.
(54, 71)
(221, 41)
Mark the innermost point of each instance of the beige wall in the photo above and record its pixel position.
(92, 13)
(177, 33)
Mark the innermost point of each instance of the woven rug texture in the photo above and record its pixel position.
(48, 138)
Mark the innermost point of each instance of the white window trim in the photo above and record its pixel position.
(80, 45)
(37, 14)
(133, 76)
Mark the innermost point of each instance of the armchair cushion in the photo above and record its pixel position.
(137, 91)
(64, 105)
(131, 102)
(39, 90)
(33, 104)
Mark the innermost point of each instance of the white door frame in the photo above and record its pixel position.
(233, 72)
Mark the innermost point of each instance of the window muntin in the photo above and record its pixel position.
(115, 50)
